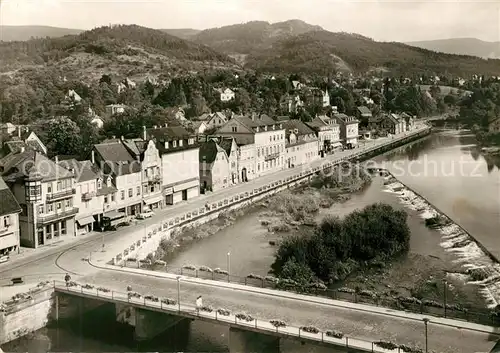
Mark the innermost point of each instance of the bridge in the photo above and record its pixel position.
(359, 323)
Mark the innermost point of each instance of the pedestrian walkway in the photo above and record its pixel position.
(311, 299)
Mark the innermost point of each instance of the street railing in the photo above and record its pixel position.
(164, 228)
(244, 321)
(445, 308)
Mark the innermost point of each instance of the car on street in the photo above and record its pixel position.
(4, 258)
(145, 214)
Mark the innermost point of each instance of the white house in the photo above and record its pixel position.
(349, 131)
(115, 109)
(199, 127)
(226, 95)
(89, 204)
(9, 220)
(326, 98)
(231, 147)
(328, 133)
(179, 152)
(147, 153)
(73, 96)
(267, 137)
(214, 166)
(301, 143)
(116, 161)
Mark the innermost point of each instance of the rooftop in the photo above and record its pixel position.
(302, 128)
(9, 203)
(84, 170)
(114, 154)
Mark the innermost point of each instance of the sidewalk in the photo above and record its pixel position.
(136, 232)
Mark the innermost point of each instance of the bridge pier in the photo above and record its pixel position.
(252, 342)
(148, 324)
(69, 306)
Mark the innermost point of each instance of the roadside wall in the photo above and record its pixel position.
(152, 236)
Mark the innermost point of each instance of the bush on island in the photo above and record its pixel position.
(168, 301)
(189, 267)
(104, 290)
(339, 246)
(386, 345)
(205, 269)
(254, 276)
(277, 323)
(152, 298)
(220, 271)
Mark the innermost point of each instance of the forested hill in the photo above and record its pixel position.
(121, 50)
(323, 51)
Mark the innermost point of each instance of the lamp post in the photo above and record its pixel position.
(228, 265)
(445, 296)
(179, 292)
(426, 321)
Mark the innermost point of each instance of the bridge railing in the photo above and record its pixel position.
(444, 308)
(242, 320)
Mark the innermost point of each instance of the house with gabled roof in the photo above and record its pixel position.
(45, 192)
(214, 166)
(328, 132)
(301, 143)
(179, 153)
(115, 160)
(364, 114)
(216, 120)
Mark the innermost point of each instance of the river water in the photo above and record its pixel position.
(445, 168)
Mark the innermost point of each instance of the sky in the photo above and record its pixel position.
(397, 20)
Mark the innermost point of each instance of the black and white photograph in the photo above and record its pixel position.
(250, 176)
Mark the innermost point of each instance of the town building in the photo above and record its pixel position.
(112, 109)
(198, 127)
(326, 98)
(231, 147)
(328, 132)
(24, 138)
(349, 130)
(114, 160)
(179, 151)
(216, 120)
(301, 143)
(214, 166)
(364, 115)
(45, 192)
(147, 153)
(7, 128)
(400, 123)
(9, 220)
(89, 202)
(226, 95)
(267, 137)
(409, 121)
(291, 103)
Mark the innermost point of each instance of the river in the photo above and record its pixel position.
(469, 195)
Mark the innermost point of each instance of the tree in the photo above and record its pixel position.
(64, 137)
(167, 96)
(105, 79)
(180, 100)
(198, 106)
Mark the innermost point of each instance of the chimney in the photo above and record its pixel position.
(56, 159)
(93, 157)
(144, 134)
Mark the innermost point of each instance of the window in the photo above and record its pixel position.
(191, 141)
(48, 231)
(234, 129)
(63, 227)
(180, 143)
(174, 143)
(40, 209)
(106, 199)
(138, 190)
(59, 186)
(56, 230)
(258, 166)
(49, 188)
(68, 203)
(99, 183)
(152, 188)
(258, 152)
(145, 190)
(58, 205)
(112, 197)
(6, 221)
(274, 137)
(123, 194)
(270, 138)
(108, 181)
(146, 172)
(50, 207)
(130, 192)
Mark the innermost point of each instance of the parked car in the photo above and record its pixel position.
(4, 258)
(145, 214)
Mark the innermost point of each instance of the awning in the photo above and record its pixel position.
(336, 144)
(188, 185)
(153, 200)
(85, 220)
(115, 215)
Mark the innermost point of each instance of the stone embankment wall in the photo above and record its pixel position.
(27, 315)
(153, 235)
